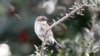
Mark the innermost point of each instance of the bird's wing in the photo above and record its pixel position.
(49, 33)
(45, 27)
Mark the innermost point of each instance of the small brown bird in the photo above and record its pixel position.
(41, 26)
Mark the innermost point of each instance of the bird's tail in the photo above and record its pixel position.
(57, 46)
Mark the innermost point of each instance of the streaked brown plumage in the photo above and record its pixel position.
(41, 26)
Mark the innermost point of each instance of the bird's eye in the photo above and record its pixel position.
(44, 19)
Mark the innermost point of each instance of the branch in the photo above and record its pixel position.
(65, 17)
(56, 23)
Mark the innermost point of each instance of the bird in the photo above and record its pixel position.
(40, 28)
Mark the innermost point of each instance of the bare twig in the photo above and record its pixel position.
(65, 17)
(56, 23)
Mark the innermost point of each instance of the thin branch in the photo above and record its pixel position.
(56, 23)
(65, 17)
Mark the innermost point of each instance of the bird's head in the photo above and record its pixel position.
(41, 19)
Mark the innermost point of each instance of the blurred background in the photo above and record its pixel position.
(75, 34)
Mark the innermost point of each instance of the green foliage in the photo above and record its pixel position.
(76, 35)
(2, 10)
